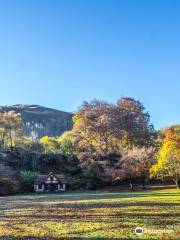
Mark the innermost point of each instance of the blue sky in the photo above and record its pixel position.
(59, 53)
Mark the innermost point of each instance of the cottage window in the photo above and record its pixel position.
(51, 178)
(40, 186)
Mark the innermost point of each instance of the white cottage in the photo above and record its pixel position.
(50, 183)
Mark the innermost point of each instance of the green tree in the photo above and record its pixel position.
(26, 179)
(92, 177)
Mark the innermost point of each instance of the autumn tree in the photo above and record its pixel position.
(168, 158)
(50, 144)
(136, 123)
(129, 170)
(102, 130)
(95, 126)
(11, 127)
(66, 145)
(8, 181)
(9, 185)
(144, 158)
(103, 126)
(134, 164)
(165, 133)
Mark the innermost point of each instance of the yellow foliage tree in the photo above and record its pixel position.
(66, 146)
(50, 143)
(168, 158)
(11, 127)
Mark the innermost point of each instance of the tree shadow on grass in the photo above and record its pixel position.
(112, 205)
(83, 205)
(86, 196)
(88, 216)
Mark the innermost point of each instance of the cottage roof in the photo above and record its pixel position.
(42, 178)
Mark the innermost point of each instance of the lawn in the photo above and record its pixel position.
(91, 215)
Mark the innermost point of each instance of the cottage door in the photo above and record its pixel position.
(51, 187)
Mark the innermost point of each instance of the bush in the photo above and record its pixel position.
(9, 185)
(26, 179)
(91, 178)
(74, 182)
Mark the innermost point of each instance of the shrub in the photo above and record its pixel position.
(26, 179)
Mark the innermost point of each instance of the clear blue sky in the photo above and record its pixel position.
(58, 53)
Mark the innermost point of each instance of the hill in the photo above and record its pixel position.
(39, 121)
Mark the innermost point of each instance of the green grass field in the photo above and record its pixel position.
(91, 215)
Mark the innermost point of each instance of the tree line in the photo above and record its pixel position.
(108, 144)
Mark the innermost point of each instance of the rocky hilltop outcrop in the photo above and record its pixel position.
(39, 121)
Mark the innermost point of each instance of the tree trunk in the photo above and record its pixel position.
(131, 185)
(143, 182)
(11, 143)
(177, 182)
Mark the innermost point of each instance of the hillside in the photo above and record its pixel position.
(39, 121)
